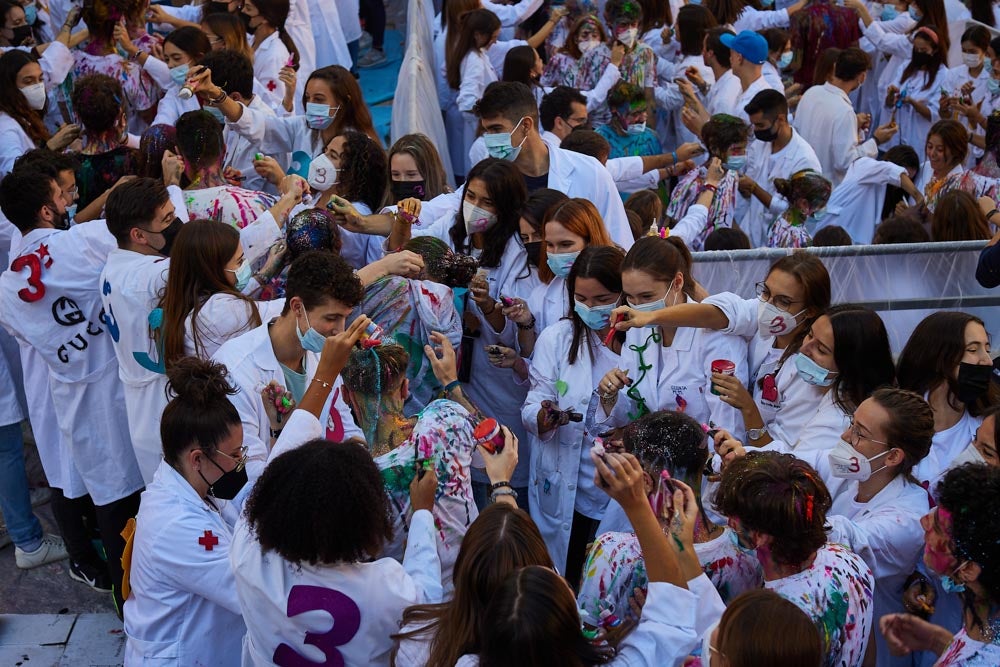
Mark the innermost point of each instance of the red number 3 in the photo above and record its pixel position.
(855, 465)
(34, 265)
(346, 621)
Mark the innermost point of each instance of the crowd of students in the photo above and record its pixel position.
(300, 399)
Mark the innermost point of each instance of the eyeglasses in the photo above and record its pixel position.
(73, 191)
(856, 436)
(241, 461)
(780, 301)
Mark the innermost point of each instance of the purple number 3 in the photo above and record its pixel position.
(346, 621)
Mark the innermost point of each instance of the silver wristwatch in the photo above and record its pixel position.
(756, 434)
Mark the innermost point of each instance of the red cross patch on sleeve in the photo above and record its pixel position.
(208, 540)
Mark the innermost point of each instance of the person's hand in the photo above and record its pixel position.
(685, 513)
(199, 79)
(73, 17)
(617, 54)
(64, 136)
(714, 172)
(614, 381)
(156, 14)
(233, 176)
(338, 347)
(902, 207)
(864, 120)
(346, 215)
(853, 4)
(557, 13)
(689, 150)
(278, 403)
(269, 169)
(693, 120)
(793, 101)
(500, 466)
(123, 180)
(986, 204)
(275, 260)
(122, 38)
(423, 488)
(442, 356)
(683, 167)
(905, 634)
(518, 312)
(550, 417)
(405, 263)
(884, 133)
(621, 477)
(173, 167)
(293, 188)
(479, 289)
(694, 76)
(919, 597)
(728, 447)
(891, 96)
(410, 206)
(287, 76)
(626, 317)
(731, 391)
(746, 186)
(502, 357)
(686, 88)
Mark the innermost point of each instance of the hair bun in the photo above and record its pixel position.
(198, 381)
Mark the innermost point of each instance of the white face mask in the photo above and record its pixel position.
(35, 95)
(970, 454)
(477, 219)
(848, 463)
(772, 321)
(628, 37)
(972, 60)
(588, 44)
(322, 173)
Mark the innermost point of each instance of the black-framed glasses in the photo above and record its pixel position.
(780, 301)
(857, 437)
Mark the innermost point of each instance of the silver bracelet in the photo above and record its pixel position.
(503, 491)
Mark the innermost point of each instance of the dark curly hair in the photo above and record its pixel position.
(777, 495)
(317, 276)
(971, 493)
(290, 509)
(98, 100)
(441, 264)
(722, 132)
(364, 170)
(667, 440)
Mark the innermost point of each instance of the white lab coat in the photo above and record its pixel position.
(476, 72)
(763, 166)
(555, 456)
(744, 97)
(279, 136)
(549, 303)
(945, 446)
(756, 19)
(268, 59)
(13, 143)
(252, 365)
(913, 127)
(886, 533)
(856, 204)
(240, 151)
(183, 608)
(222, 318)
(299, 28)
(328, 36)
(827, 120)
(50, 301)
(281, 600)
(722, 96)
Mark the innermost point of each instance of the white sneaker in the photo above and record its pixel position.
(365, 42)
(52, 550)
(4, 537)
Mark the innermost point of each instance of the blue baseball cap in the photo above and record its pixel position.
(748, 44)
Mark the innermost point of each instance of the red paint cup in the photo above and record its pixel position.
(723, 367)
(489, 435)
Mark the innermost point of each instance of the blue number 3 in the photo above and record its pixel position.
(346, 621)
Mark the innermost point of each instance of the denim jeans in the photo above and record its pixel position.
(23, 525)
(353, 48)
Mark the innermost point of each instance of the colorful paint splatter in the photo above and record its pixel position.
(225, 203)
(967, 652)
(836, 592)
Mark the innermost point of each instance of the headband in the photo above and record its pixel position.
(929, 32)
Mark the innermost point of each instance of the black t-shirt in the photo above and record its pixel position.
(536, 182)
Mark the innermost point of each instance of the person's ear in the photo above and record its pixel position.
(647, 482)
(895, 457)
(970, 572)
(404, 389)
(528, 124)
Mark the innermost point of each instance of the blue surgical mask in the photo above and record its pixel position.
(311, 340)
(736, 162)
(735, 539)
(914, 13)
(659, 304)
(812, 373)
(766, 3)
(889, 12)
(318, 116)
(30, 13)
(595, 318)
(993, 85)
(785, 60)
(950, 584)
(215, 113)
(561, 262)
(71, 212)
(242, 275)
(819, 214)
(499, 145)
(179, 74)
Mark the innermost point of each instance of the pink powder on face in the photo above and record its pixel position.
(937, 554)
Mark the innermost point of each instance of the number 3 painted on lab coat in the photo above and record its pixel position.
(346, 621)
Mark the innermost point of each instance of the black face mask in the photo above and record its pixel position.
(921, 60)
(227, 486)
(973, 382)
(534, 250)
(245, 20)
(768, 135)
(406, 189)
(169, 234)
(21, 34)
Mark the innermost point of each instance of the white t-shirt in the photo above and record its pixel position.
(967, 652)
(836, 592)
